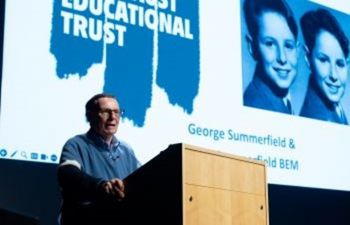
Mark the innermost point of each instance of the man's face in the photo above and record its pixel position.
(329, 66)
(107, 117)
(277, 49)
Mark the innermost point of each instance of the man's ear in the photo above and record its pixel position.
(307, 56)
(250, 45)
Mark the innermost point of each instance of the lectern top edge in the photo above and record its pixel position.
(220, 153)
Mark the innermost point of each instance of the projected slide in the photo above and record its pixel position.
(263, 79)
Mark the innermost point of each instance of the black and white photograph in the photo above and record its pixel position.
(295, 59)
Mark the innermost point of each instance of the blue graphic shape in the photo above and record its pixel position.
(43, 157)
(53, 158)
(34, 155)
(128, 74)
(178, 65)
(3, 152)
(74, 55)
(129, 68)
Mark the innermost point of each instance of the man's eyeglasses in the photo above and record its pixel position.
(108, 112)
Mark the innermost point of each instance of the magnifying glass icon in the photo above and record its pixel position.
(24, 154)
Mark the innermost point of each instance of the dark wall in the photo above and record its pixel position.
(308, 206)
(30, 189)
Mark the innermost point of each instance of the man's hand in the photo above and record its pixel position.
(115, 187)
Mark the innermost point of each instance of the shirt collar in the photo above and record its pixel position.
(286, 98)
(99, 141)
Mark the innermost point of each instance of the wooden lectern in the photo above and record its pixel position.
(189, 185)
